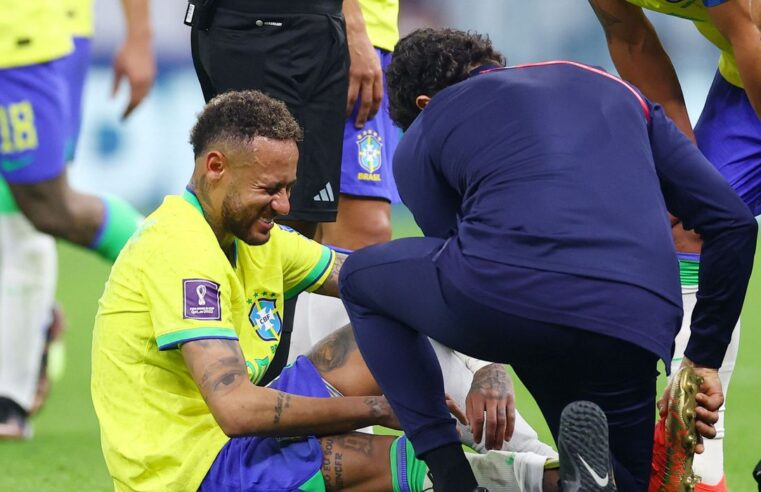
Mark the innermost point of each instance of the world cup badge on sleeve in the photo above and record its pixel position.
(201, 299)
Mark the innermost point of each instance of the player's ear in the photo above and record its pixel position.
(422, 101)
(215, 164)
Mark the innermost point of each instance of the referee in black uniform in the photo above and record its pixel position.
(295, 51)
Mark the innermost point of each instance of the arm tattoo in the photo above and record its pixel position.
(340, 259)
(222, 374)
(607, 20)
(492, 381)
(332, 351)
(330, 286)
(218, 366)
(283, 402)
(375, 404)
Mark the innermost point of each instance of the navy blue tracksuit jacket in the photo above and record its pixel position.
(563, 170)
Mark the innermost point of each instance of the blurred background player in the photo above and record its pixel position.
(728, 133)
(37, 46)
(33, 135)
(294, 51)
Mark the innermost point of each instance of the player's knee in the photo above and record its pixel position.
(53, 216)
(361, 222)
(46, 217)
(374, 231)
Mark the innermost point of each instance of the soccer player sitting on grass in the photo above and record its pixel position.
(191, 317)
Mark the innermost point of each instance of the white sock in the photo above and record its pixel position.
(505, 471)
(709, 465)
(28, 274)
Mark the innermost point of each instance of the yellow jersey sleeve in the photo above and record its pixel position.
(306, 263)
(189, 293)
(80, 17)
(382, 22)
(32, 31)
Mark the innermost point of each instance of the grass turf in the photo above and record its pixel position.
(64, 454)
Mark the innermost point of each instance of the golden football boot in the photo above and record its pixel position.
(676, 437)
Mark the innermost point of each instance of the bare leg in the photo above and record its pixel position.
(357, 461)
(361, 462)
(361, 221)
(340, 363)
(54, 208)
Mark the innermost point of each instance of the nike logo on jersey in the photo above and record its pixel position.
(601, 481)
(9, 165)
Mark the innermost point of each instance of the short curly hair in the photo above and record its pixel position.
(240, 116)
(429, 60)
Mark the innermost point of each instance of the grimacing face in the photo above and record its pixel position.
(259, 189)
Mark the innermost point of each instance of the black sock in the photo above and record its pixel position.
(450, 471)
(9, 408)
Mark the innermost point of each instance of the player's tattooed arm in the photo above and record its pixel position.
(330, 286)
(217, 365)
(218, 368)
(491, 400)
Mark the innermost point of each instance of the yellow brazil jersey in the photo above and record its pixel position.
(172, 284)
(32, 31)
(697, 12)
(382, 20)
(80, 17)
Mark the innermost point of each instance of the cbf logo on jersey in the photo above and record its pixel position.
(201, 299)
(369, 147)
(265, 318)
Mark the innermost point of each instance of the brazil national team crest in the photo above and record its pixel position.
(369, 145)
(265, 319)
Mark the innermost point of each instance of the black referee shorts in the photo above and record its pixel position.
(294, 51)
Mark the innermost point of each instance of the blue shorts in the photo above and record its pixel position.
(368, 152)
(729, 135)
(271, 464)
(40, 115)
(75, 72)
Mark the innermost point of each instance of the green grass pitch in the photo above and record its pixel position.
(65, 455)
